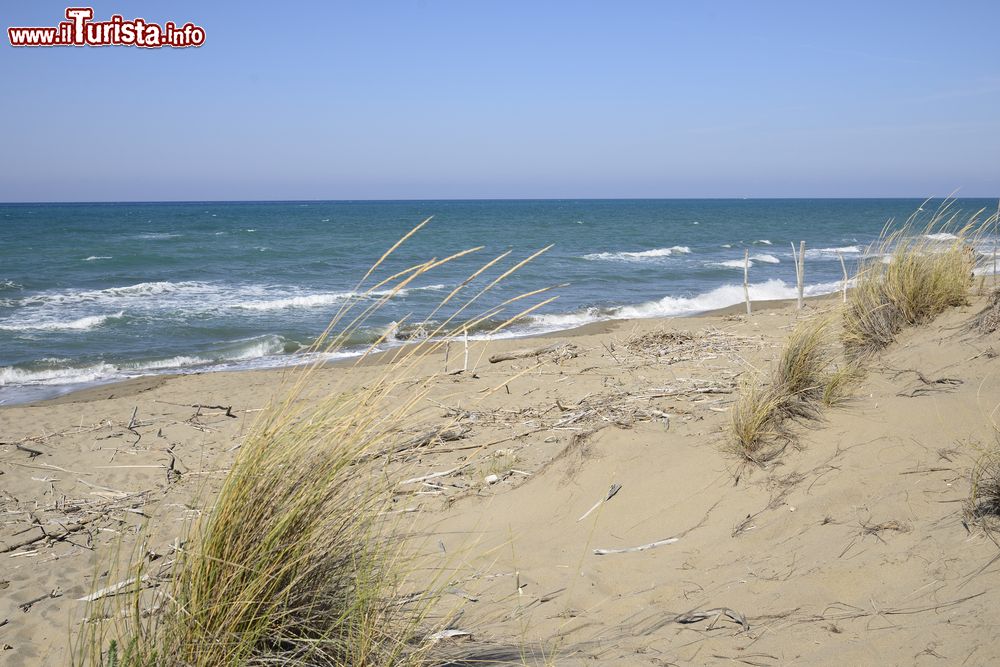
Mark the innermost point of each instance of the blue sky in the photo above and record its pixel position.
(457, 99)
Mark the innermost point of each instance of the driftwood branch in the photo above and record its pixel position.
(32, 453)
(26, 606)
(439, 434)
(561, 349)
(641, 547)
(7, 547)
(111, 590)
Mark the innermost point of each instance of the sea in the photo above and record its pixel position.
(94, 293)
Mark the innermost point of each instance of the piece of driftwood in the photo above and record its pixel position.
(434, 475)
(32, 453)
(449, 634)
(715, 614)
(448, 434)
(441, 434)
(641, 547)
(114, 588)
(615, 488)
(7, 547)
(562, 349)
(26, 606)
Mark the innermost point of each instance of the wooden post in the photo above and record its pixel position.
(844, 267)
(447, 349)
(746, 277)
(801, 270)
(465, 338)
(795, 261)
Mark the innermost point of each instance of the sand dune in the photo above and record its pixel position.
(851, 549)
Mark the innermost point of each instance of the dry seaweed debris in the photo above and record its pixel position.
(988, 319)
(672, 347)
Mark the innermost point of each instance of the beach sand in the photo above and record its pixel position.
(851, 549)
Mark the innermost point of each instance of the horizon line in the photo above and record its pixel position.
(478, 199)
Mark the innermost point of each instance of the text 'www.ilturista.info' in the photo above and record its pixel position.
(80, 30)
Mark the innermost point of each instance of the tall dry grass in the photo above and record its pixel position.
(982, 507)
(799, 384)
(296, 560)
(910, 276)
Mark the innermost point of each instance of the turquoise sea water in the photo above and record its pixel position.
(96, 292)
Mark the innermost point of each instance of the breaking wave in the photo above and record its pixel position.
(638, 256)
(80, 324)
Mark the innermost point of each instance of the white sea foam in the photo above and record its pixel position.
(831, 253)
(156, 236)
(764, 241)
(669, 306)
(720, 297)
(179, 361)
(941, 236)
(310, 301)
(80, 324)
(258, 352)
(94, 258)
(252, 348)
(326, 299)
(153, 288)
(731, 264)
(141, 295)
(559, 321)
(56, 376)
(767, 259)
(406, 290)
(638, 256)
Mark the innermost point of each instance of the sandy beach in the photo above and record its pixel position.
(851, 549)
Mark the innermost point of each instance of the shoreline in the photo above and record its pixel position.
(133, 386)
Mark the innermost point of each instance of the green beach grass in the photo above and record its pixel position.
(297, 559)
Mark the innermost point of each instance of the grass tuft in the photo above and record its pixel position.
(841, 383)
(797, 388)
(801, 374)
(983, 504)
(757, 432)
(909, 277)
(296, 561)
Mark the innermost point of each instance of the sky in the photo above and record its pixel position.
(428, 99)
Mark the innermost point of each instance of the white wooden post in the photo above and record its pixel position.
(465, 338)
(746, 277)
(844, 267)
(801, 272)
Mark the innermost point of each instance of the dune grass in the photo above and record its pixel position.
(797, 388)
(756, 429)
(296, 560)
(841, 383)
(909, 277)
(982, 507)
